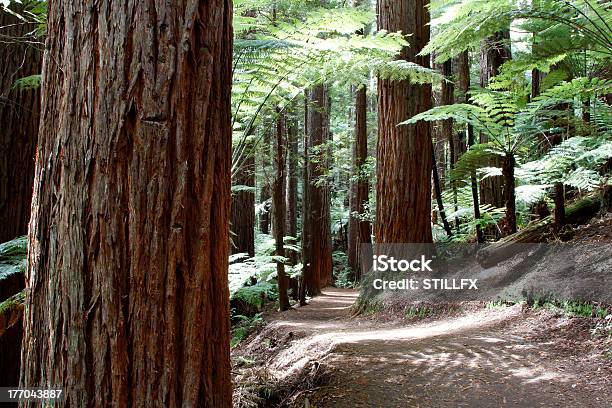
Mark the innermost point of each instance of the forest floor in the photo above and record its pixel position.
(320, 355)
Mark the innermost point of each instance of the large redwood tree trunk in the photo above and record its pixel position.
(19, 116)
(359, 231)
(318, 216)
(404, 153)
(129, 238)
(308, 283)
(243, 207)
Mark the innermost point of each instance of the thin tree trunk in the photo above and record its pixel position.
(128, 250)
(307, 281)
(463, 87)
(448, 98)
(474, 185)
(508, 164)
(318, 216)
(359, 231)
(291, 198)
(536, 77)
(559, 205)
(291, 191)
(438, 193)
(403, 188)
(493, 53)
(265, 193)
(243, 208)
(19, 117)
(278, 209)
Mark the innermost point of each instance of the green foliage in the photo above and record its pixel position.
(564, 25)
(342, 272)
(13, 256)
(245, 326)
(418, 312)
(29, 82)
(570, 308)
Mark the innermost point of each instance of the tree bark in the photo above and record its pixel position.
(559, 205)
(291, 199)
(438, 194)
(307, 281)
(359, 231)
(463, 87)
(403, 191)
(128, 256)
(318, 216)
(265, 194)
(448, 98)
(278, 210)
(243, 208)
(474, 185)
(461, 96)
(493, 53)
(508, 164)
(291, 191)
(19, 117)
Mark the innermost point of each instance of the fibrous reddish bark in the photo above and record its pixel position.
(291, 190)
(129, 238)
(21, 57)
(404, 153)
(278, 209)
(508, 164)
(243, 207)
(319, 271)
(359, 230)
(306, 279)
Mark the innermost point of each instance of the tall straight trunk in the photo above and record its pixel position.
(307, 281)
(291, 187)
(264, 192)
(448, 98)
(536, 77)
(462, 96)
(278, 209)
(318, 216)
(438, 135)
(463, 87)
(129, 238)
(359, 231)
(559, 205)
(494, 52)
(291, 197)
(438, 194)
(19, 117)
(403, 189)
(474, 186)
(508, 164)
(243, 207)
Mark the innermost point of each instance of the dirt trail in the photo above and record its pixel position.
(481, 359)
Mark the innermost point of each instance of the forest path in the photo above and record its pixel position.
(479, 359)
